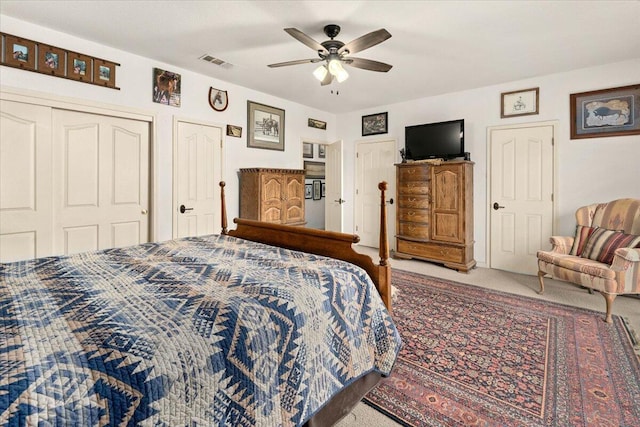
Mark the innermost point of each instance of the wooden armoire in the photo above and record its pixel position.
(272, 195)
(434, 218)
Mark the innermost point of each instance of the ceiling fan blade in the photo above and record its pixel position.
(327, 79)
(368, 64)
(305, 39)
(297, 62)
(366, 41)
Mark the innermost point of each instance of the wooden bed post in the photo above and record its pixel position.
(384, 275)
(224, 207)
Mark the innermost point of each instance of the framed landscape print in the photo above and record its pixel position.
(307, 150)
(265, 126)
(605, 112)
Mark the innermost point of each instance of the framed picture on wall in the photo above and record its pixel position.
(308, 191)
(317, 189)
(313, 170)
(51, 60)
(167, 87)
(19, 52)
(520, 103)
(266, 126)
(307, 150)
(104, 73)
(374, 124)
(605, 112)
(79, 67)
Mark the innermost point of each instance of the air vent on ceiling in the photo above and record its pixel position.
(216, 61)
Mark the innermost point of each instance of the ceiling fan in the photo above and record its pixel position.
(335, 53)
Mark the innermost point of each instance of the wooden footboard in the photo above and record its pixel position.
(321, 242)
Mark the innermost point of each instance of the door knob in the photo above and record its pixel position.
(390, 201)
(144, 211)
(496, 206)
(340, 201)
(183, 209)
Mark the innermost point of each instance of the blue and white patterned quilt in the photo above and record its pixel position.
(190, 332)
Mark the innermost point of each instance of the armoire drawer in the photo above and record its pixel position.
(413, 187)
(413, 202)
(414, 229)
(432, 251)
(413, 173)
(415, 215)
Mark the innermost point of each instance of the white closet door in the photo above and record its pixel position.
(25, 181)
(100, 182)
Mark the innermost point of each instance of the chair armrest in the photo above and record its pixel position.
(626, 264)
(561, 244)
(626, 255)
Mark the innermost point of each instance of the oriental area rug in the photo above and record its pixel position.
(477, 357)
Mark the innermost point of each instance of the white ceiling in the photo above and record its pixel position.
(436, 46)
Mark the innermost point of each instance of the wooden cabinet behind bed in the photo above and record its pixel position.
(272, 195)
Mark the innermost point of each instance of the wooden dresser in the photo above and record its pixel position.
(434, 218)
(272, 195)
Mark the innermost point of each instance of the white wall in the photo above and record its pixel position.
(588, 170)
(134, 78)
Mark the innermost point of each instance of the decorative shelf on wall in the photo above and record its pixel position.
(42, 58)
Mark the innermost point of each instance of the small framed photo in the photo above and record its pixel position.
(322, 151)
(324, 188)
(51, 60)
(317, 190)
(166, 87)
(605, 112)
(79, 67)
(308, 191)
(104, 73)
(235, 131)
(374, 124)
(265, 126)
(218, 99)
(519, 103)
(318, 124)
(19, 52)
(307, 150)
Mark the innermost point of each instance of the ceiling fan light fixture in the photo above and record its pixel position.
(335, 67)
(320, 73)
(342, 75)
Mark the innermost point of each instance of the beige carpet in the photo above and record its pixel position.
(560, 292)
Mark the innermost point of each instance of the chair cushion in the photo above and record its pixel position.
(602, 243)
(577, 264)
(582, 235)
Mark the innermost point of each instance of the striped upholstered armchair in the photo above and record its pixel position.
(604, 253)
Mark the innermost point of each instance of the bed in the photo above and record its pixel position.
(260, 325)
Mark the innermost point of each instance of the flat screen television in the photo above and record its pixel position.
(435, 140)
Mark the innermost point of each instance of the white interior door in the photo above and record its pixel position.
(100, 182)
(333, 183)
(197, 172)
(25, 181)
(521, 196)
(374, 163)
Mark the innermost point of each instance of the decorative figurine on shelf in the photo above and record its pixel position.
(403, 155)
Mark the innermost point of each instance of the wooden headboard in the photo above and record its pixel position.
(321, 242)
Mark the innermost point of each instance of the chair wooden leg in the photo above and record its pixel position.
(609, 299)
(541, 280)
